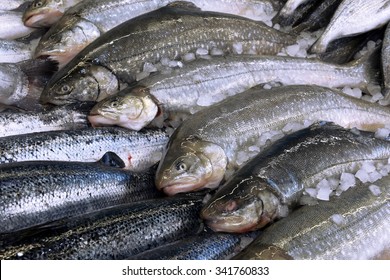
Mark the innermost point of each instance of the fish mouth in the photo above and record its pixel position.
(98, 120)
(234, 224)
(180, 187)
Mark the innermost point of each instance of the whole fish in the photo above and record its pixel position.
(90, 19)
(12, 51)
(58, 118)
(138, 150)
(354, 226)
(211, 246)
(117, 232)
(11, 25)
(18, 80)
(202, 83)
(44, 13)
(272, 183)
(116, 57)
(386, 65)
(208, 143)
(35, 193)
(353, 17)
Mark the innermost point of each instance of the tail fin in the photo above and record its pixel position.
(38, 71)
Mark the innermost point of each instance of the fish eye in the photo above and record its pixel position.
(231, 206)
(65, 88)
(181, 166)
(38, 4)
(115, 103)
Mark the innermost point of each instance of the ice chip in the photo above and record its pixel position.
(375, 190)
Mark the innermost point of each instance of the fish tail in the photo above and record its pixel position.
(38, 71)
(370, 65)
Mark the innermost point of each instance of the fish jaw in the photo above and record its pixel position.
(44, 17)
(194, 165)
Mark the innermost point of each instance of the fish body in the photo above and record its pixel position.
(138, 150)
(209, 246)
(296, 16)
(208, 143)
(202, 83)
(12, 51)
(275, 179)
(58, 118)
(8, 5)
(11, 25)
(44, 13)
(116, 232)
(35, 193)
(352, 18)
(354, 226)
(386, 64)
(90, 19)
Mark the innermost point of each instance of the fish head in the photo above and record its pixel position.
(65, 39)
(132, 108)
(80, 82)
(43, 13)
(240, 205)
(191, 165)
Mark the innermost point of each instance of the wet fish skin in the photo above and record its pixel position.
(209, 246)
(35, 193)
(12, 51)
(386, 65)
(98, 70)
(275, 179)
(57, 118)
(44, 13)
(8, 5)
(352, 18)
(206, 144)
(202, 83)
(138, 150)
(292, 18)
(90, 19)
(116, 232)
(311, 233)
(11, 25)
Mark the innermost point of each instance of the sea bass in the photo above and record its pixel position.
(44, 13)
(208, 143)
(202, 83)
(271, 184)
(117, 232)
(138, 150)
(116, 57)
(35, 193)
(90, 19)
(353, 17)
(354, 226)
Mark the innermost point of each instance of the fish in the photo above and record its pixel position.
(100, 69)
(296, 16)
(202, 83)
(138, 150)
(38, 192)
(116, 232)
(354, 226)
(208, 144)
(9, 5)
(353, 17)
(19, 80)
(12, 51)
(290, 6)
(89, 20)
(44, 13)
(206, 246)
(385, 54)
(57, 118)
(271, 184)
(11, 25)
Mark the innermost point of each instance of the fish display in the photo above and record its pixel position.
(354, 226)
(137, 227)
(275, 179)
(353, 17)
(207, 144)
(35, 193)
(138, 150)
(90, 19)
(202, 83)
(99, 69)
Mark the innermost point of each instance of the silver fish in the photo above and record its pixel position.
(12, 51)
(138, 150)
(207, 144)
(11, 25)
(386, 65)
(202, 83)
(35, 193)
(116, 57)
(116, 232)
(353, 17)
(354, 226)
(90, 19)
(272, 183)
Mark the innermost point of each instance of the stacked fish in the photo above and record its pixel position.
(177, 130)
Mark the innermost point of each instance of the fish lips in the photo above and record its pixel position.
(42, 19)
(175, 187)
